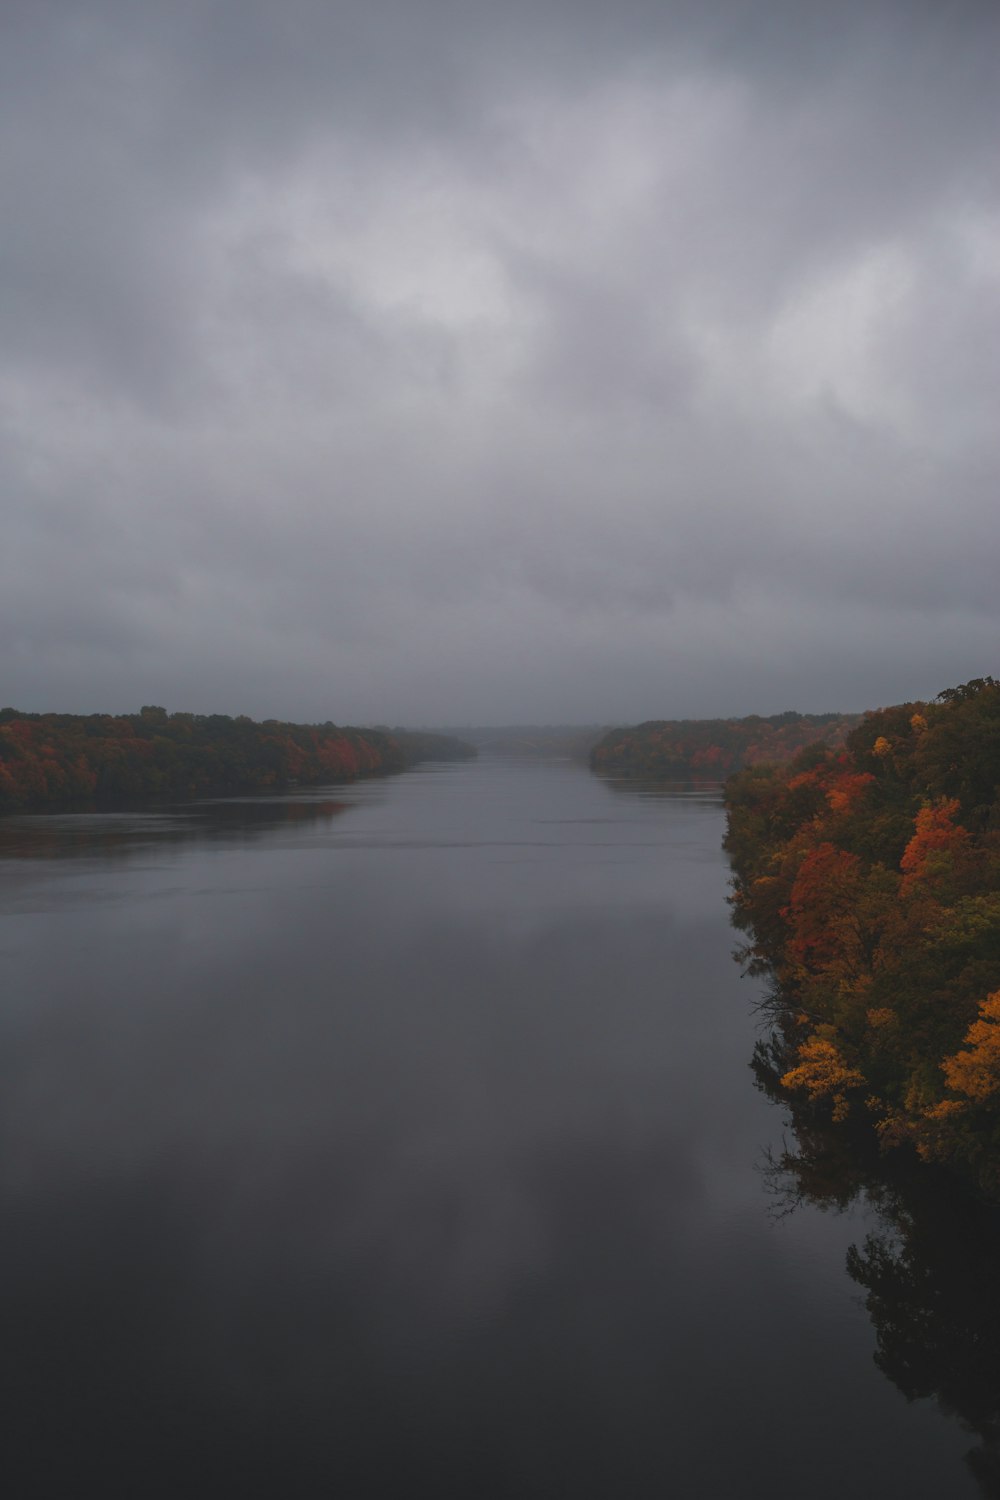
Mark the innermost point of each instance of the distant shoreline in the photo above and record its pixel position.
(50, 761)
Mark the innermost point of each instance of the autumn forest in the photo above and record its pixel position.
(58, 760)
(867, 882)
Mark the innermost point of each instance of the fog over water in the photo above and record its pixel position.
(410, 362)
(400, 1138)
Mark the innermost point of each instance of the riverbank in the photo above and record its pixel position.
(60, 760)
(676, 749)
(867, 881)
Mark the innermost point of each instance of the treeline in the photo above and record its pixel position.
(682, 748)
(419, 745)
(867, 879)
(536, 741)
(51, 760)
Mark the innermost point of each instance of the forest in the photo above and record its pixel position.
(714, 748)
(867, 883)
(58, 760)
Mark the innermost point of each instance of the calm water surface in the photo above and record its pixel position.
(399, 1138)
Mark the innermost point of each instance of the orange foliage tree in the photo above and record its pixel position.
(868, 880)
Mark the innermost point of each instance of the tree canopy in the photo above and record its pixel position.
(867, 880)
(49, 760)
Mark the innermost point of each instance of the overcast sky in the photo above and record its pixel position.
(454, 361)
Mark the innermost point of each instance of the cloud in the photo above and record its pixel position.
(439, 362)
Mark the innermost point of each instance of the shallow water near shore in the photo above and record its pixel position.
(400, 1137)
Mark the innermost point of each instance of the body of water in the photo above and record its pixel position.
(400, 1138)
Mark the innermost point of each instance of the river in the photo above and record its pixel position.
(400, 1138)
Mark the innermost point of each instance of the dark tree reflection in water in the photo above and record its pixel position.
(928, 1269)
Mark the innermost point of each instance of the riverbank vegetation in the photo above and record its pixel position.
(54, 760)
(682, 748)
(867, 881)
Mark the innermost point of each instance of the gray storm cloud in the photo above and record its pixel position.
(453, 363)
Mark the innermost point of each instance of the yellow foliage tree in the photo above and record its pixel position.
(824, 1074)
(975, 1071)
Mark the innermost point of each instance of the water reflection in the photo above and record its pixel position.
(411, 1150)
(706, 792)
(62, 836)
(928, 1269)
